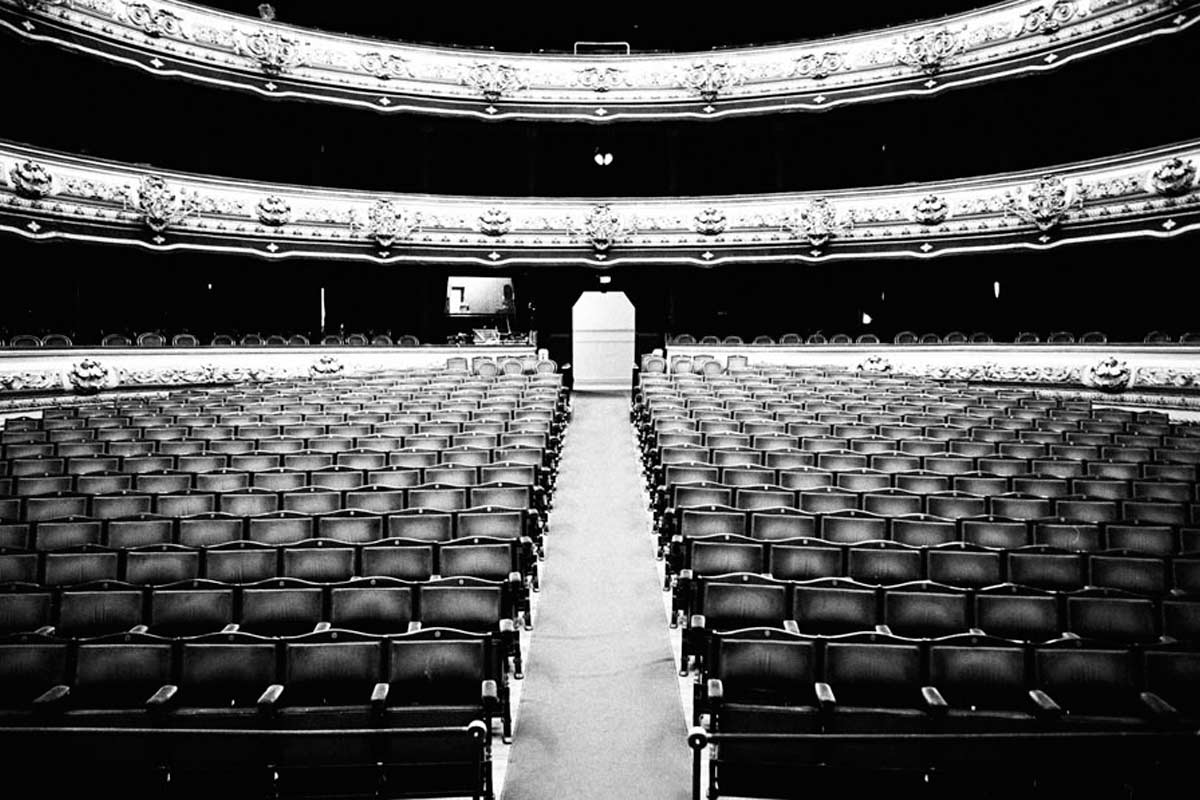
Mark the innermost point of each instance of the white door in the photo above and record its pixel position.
(603, 341)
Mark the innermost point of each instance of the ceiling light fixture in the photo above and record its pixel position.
(602, 159)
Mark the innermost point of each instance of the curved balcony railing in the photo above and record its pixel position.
(53, 196)
(179, 39)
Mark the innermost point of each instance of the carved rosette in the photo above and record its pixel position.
(495, 221)
(31, 180)
(385, 66)
(603, 227)
(711, 78)
(931, 51)
(1110, 375)
(812, 65)
(1047, 202)
(876, 364)
(274, 211)
(275, 54)
(1174, 177)
(493, 81)
(709, 221)
(88, 375)
(601, 79)
(388, 221)
(1048, 19)
(931, 210)
(816, 222)
(326, 367)
(160, 205)
(154, 21)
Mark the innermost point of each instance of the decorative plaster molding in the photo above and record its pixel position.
(48, 196)
(181, 39)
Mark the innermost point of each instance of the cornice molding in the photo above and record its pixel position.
(47, 196)
(183, 40)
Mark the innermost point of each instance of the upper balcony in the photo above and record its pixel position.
(182, 40)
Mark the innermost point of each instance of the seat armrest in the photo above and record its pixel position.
(976, 631)
(140, 629)
(698, 621)
(934, 702)
(232, 627)
(686, 574)
(322, 627)
(791, 626)
(379, 696)
(515, 579)
(506, 626)
(52, 697)
(270, 698)
(825, 698)
(489, 693)
(414, 626)
(716, 690)
(163, 697)
(1158, 707)
(45, 630)
(884, 629)
(1045, 705)
(1069, 635)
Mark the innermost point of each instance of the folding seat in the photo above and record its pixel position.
(1155, 512)
(185, 504)
(85, 565)
(1157, 540)
(103, 482)
(1113, 616)
(519, 474)
(963, 565)
(423, 524)
(955, 505)
(281, 607)
(983, 682)
(162, 482)
(469, 604)
(223, 481)
(248, 502)
(37, 465)
(1181, 618)
(15, 536)
(1129, 573)
(1164, 490)
(307, 460)
(922, 530)
(883, 563)
(86, 613)
(722, 554)
(1170, 472)
(118, 680)
(23, 610)
(776, 524)
(240, 562)
(438, 497)
(1087, 510)
(834, 606)
(318, 561)
(49, 507)
(862, 480)
(394, 477)
(923, 609)
(753, 498)
(1017, 506)
(1174, 676)
(787, 459)
(1068, 536)
(969, 447)
(375, 499)
(1047, 568)
(30, 668)
(724, 605)
(804, 561)
(411, 458)
(280, 445)
(1114, 470)
(310, 500)
(87, 465)
(1018, 612)
(352, 526)
(1041, 486)
(139, 531)
(149, 462)
(336, 478)
(40, 485)
(202, 461)
(850, 527)
(826, 499)
(748, 476)
(979, 483)
(705, 520)
(1090, 688)
(805, 478)
(921, 482)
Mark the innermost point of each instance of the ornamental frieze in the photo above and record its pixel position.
(207, 45)
(1151, 193)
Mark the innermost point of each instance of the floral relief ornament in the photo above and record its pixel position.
(160, 205)
(493, 81)
(817, 222)
(875, 363)
(710, 221)
(603, 227)
(811, 65)
(326, 366)
(88, 375)
(495, 221)
(1048, 19)
(601, 79)
(275, 54)
(274, 211)
(1046, 203)
(1174, 177)
(388, 221)
(31, 180)
(931, 210)
(156, 22)
(930, 51)
(385, 67)
(710, 78)
(1109, 374)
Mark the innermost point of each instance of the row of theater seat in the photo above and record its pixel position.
(962, 709)
(156, 339)
(921, 609)
(238, 715)
(953, 564)
(910, 337)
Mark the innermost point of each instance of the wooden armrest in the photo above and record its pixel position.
(45, 630)
(379, 696)
(884, 629)
(698, 621)
(791, 626)
(1158, 707)
(414, 626)
(934, 701)
(489, 693)
(322, 627)
(270, 698)
(825, 698)
(1045, 705)
(506, 626)
(716, 690)
(163, 697)
(140, 629)
(232, 627)
(52, 697)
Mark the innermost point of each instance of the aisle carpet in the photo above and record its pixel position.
(600, 713)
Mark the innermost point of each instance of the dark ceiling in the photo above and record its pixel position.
(531, 27)
(1125, 100)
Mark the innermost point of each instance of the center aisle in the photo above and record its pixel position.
(600, 711)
